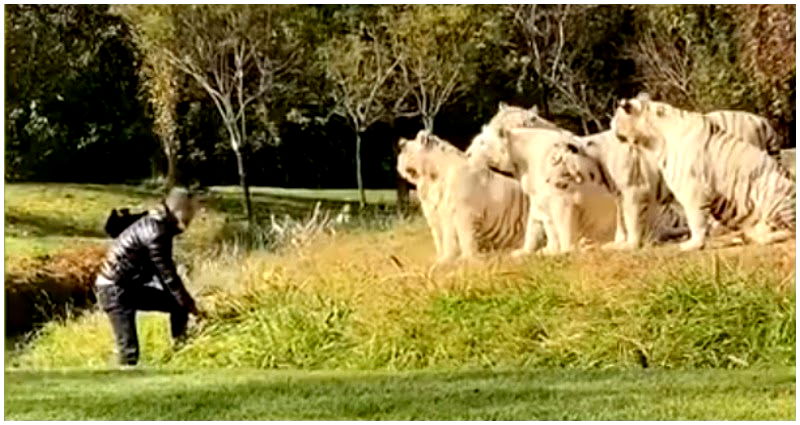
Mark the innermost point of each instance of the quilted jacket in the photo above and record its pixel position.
(144, 250)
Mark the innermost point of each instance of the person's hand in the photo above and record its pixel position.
(201, 314)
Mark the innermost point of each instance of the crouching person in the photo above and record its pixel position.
(139, 273)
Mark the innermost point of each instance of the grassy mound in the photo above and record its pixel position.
(366, 300)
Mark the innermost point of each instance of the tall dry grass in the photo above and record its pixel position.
(361, 299)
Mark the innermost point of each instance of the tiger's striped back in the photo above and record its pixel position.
(499, 229)
(752, 187)
(751, 128)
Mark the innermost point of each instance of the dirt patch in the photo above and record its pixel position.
(49, 287)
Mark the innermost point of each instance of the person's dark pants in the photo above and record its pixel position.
(121, 305)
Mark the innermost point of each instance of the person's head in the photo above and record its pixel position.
(182, 205)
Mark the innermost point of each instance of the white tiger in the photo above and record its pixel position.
(646, 209)
(711, 171)
(565, 187)
(751, 128)
(644, 205)
(469, 208)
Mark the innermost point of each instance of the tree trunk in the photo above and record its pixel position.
(402, 195)
(362, 196)
(427, 122)
(545, 104)
(402, 186)
(248, 207)
(172, 168)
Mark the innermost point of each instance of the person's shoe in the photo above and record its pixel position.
(126, 367)
(180, 342)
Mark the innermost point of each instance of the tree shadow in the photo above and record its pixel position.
(19, 223)
(296, 207)
(463, 395)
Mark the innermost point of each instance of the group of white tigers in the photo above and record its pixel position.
(659, 173)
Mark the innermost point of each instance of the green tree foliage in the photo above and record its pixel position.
(71, 106)
(707, 57)
(766, 38)
(153, 33)
(286, 88)
(438, 49)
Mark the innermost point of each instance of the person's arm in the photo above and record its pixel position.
(160, 249)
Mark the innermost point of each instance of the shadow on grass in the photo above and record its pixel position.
(294, 206)
(20, 223)
(473, 395)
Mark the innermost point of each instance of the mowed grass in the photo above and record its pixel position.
(44, 218)
(756, 394)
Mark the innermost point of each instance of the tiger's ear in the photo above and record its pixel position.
(644, 96)
(631, 106)
(534, 110)
(503, 106)
(402, 142)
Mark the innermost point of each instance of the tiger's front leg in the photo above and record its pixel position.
(465, 233)
(620, 233)
(634, 206)
(565, 219)
(450, 248)
(538, 226)
(433, 223)
(698, 226)
(693, 198)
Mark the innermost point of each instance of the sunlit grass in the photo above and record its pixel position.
(518, 394)
(368, 300)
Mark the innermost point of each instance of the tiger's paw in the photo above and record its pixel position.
(619, 246)
(520, 253)
(691, 245)
(550, 251)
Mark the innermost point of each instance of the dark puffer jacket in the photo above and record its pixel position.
(144, 250)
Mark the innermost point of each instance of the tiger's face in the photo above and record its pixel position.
(630, 123)
(490, 148)
(409, 160)
(508, 117)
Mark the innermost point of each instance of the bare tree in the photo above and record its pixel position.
(666, 67)
(553, 39)
(238, 55)
(361, 70)
(436, 47)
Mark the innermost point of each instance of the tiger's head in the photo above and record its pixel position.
(490, 149)
(409, 161)
(424, 156)
(508, 117)
(636, 121)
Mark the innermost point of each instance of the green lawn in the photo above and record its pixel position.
(374, 196)
(45, 218)
(473, 395)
